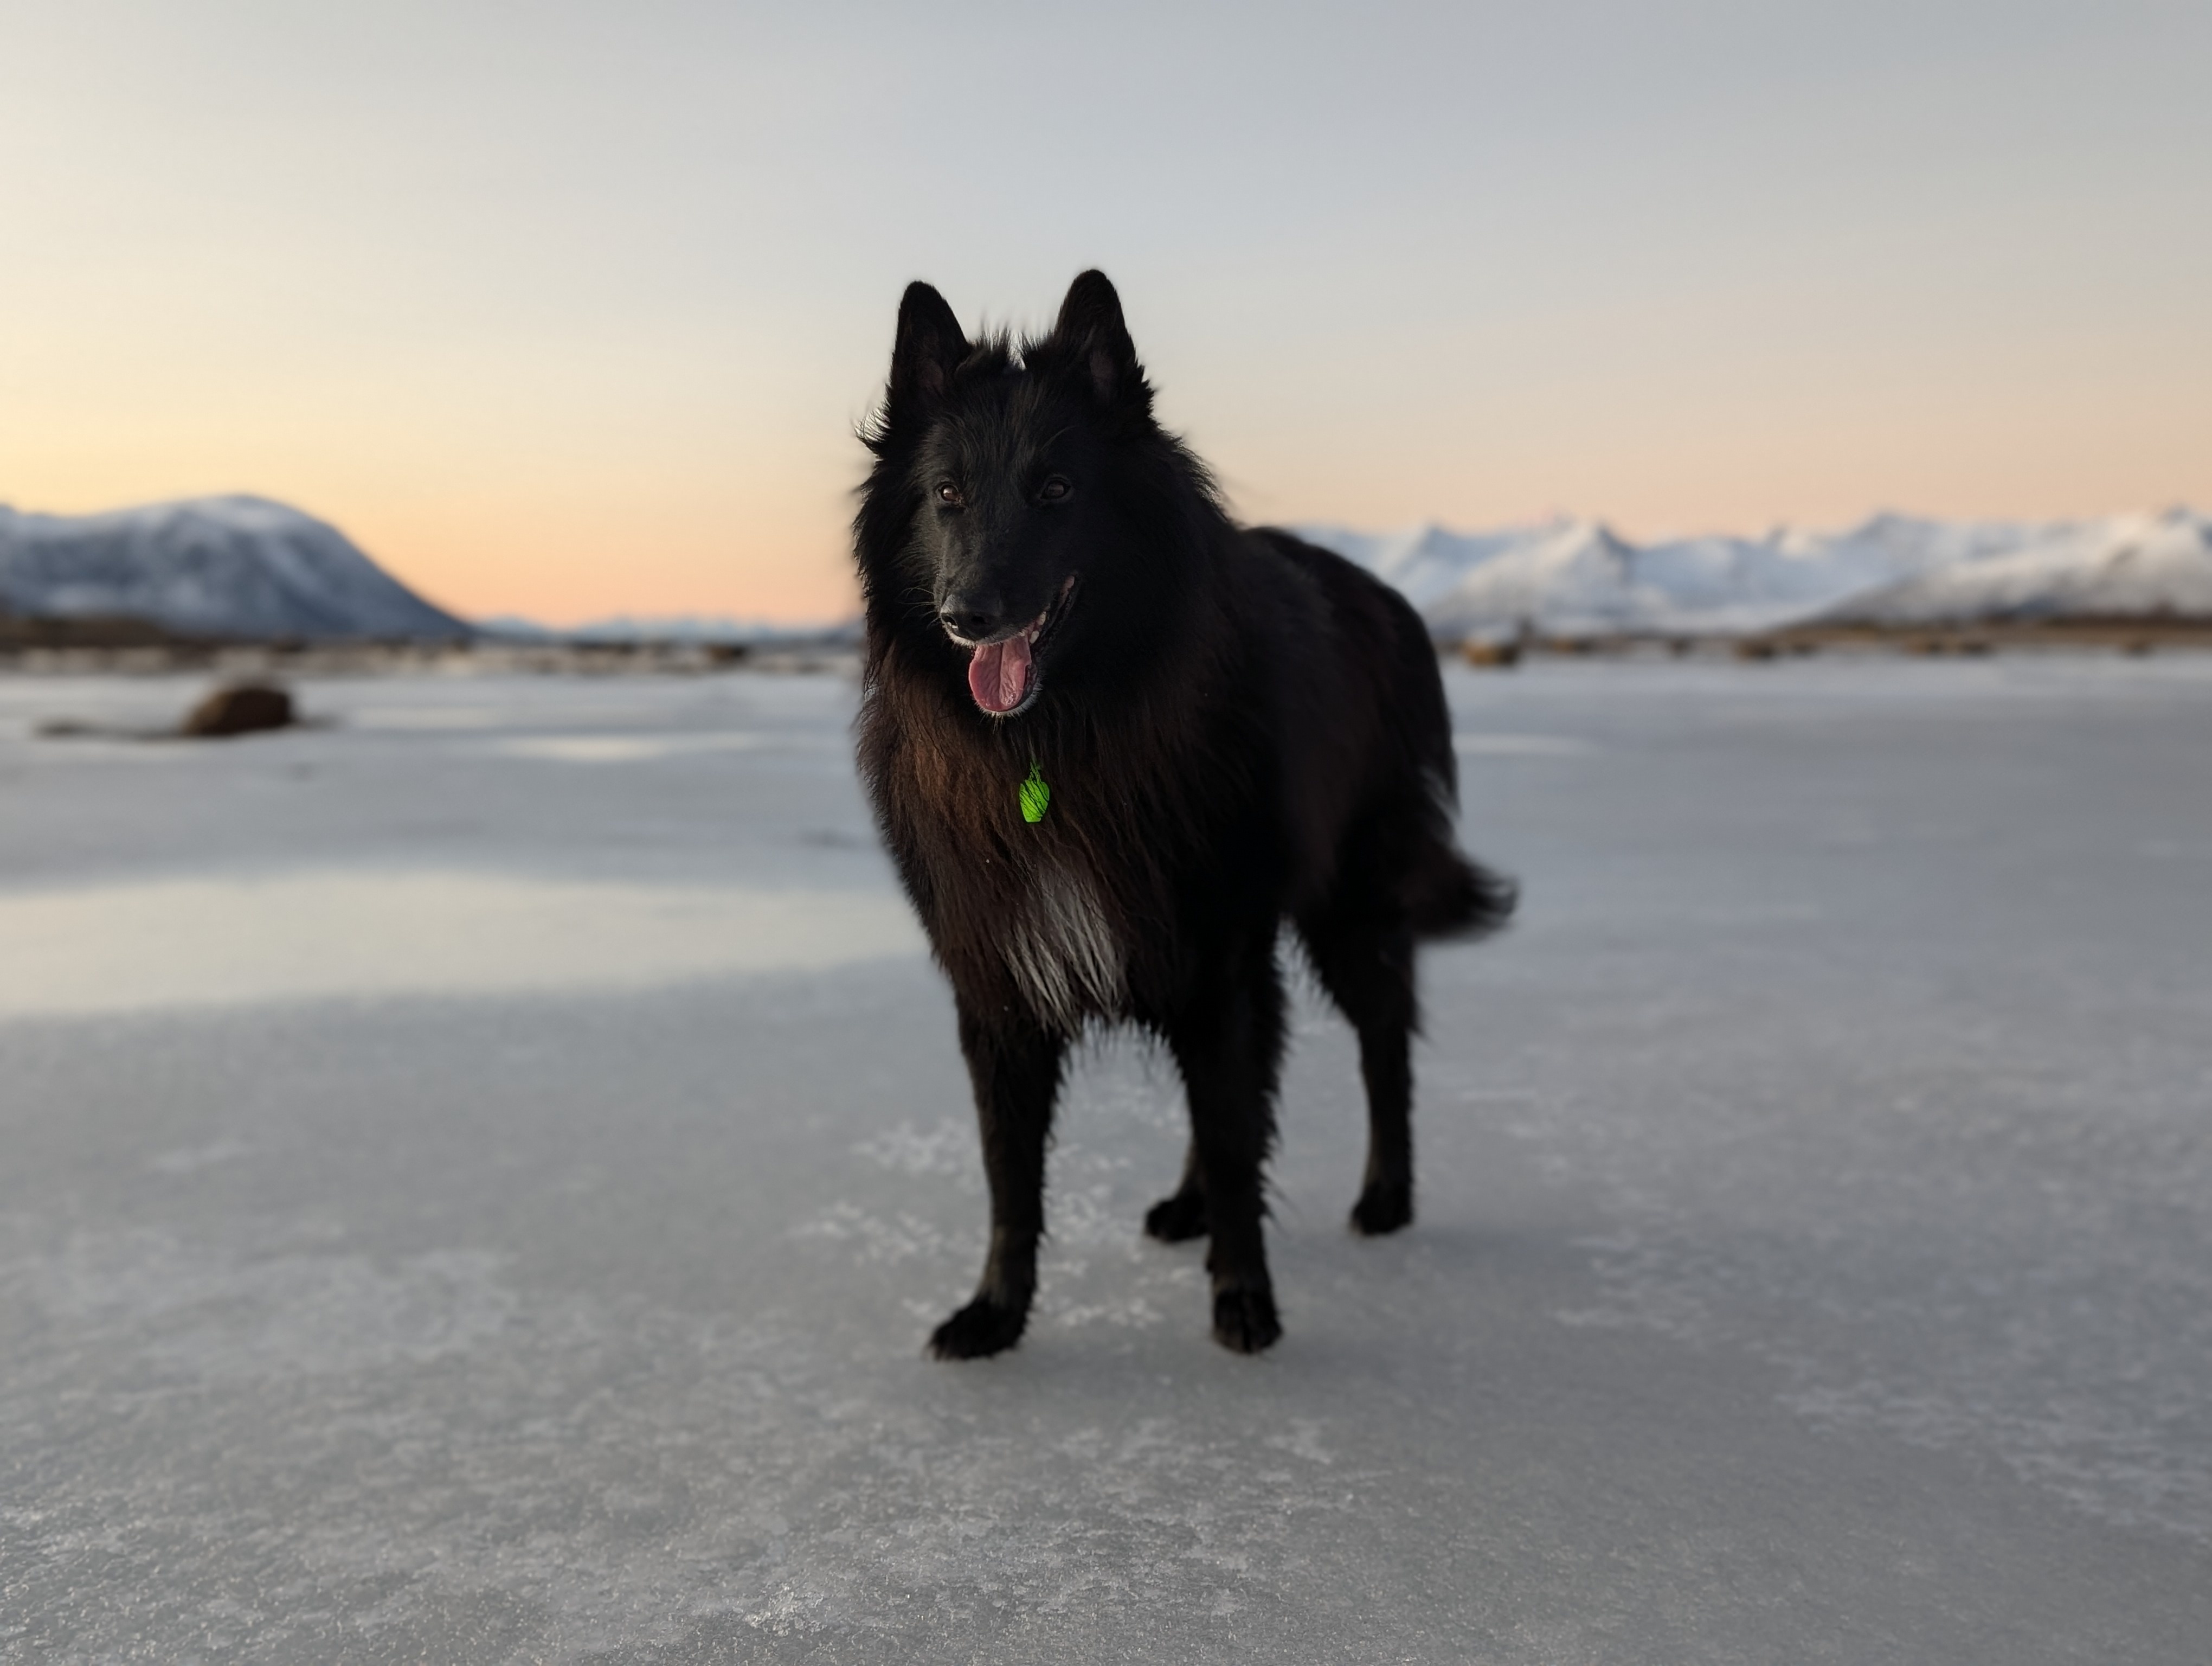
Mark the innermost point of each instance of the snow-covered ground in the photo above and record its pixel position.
(477, 1177)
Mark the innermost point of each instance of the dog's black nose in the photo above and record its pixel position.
(972, 615)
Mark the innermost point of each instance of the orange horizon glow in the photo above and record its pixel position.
(564, 572)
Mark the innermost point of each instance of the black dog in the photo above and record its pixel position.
(1114, 741)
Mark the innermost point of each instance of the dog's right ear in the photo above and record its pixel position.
(929, 348)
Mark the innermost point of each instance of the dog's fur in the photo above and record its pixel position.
(1237, 728)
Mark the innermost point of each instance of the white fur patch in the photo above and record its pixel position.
(1063, 953)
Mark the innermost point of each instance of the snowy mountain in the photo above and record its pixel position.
(2120, 566)
(1579, 577)
(209, 565)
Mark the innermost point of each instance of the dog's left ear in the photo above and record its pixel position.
(1090, 329)
(930, 347)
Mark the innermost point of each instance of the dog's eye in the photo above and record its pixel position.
(1054, 490)
(949, 493)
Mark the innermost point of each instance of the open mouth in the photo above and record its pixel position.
(1002, 676)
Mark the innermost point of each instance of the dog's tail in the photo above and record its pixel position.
(1448, 894)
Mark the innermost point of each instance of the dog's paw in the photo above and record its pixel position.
(1383, 1208)
(1176, 1219)
(978, 1330)
(1245, 1321)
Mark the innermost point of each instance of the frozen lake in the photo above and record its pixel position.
(478, 1177)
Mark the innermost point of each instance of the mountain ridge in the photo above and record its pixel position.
(1577, 576)
(227, 566)
(240, 566)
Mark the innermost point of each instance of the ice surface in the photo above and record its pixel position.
(1812, 1261)
(318, 934)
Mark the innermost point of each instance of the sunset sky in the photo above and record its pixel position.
(567, 310)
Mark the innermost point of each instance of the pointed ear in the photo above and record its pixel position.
(1090, 328)
(929, 347)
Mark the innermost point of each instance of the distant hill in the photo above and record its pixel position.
(226, 567)
(1575, 577)
(673, 628)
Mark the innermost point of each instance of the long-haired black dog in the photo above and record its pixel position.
(1114, 740)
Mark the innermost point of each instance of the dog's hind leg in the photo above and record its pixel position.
(1228, 1042)
(1015, 1067)
(1367, 967)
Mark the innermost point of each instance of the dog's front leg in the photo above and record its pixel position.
(1015, 1067)
(1228, 1044)
(1180, 1215)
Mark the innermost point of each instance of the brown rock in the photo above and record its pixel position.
(240, 708)
(1495, 656)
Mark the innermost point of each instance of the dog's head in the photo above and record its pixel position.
(1004, 483)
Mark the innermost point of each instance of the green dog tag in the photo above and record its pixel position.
(1035, 795)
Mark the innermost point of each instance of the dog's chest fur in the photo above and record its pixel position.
(1062, 950)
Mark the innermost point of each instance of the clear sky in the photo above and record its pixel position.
(571, 309)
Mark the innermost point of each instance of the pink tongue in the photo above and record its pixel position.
(999, 676)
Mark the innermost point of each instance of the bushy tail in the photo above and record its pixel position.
(1447, 895)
